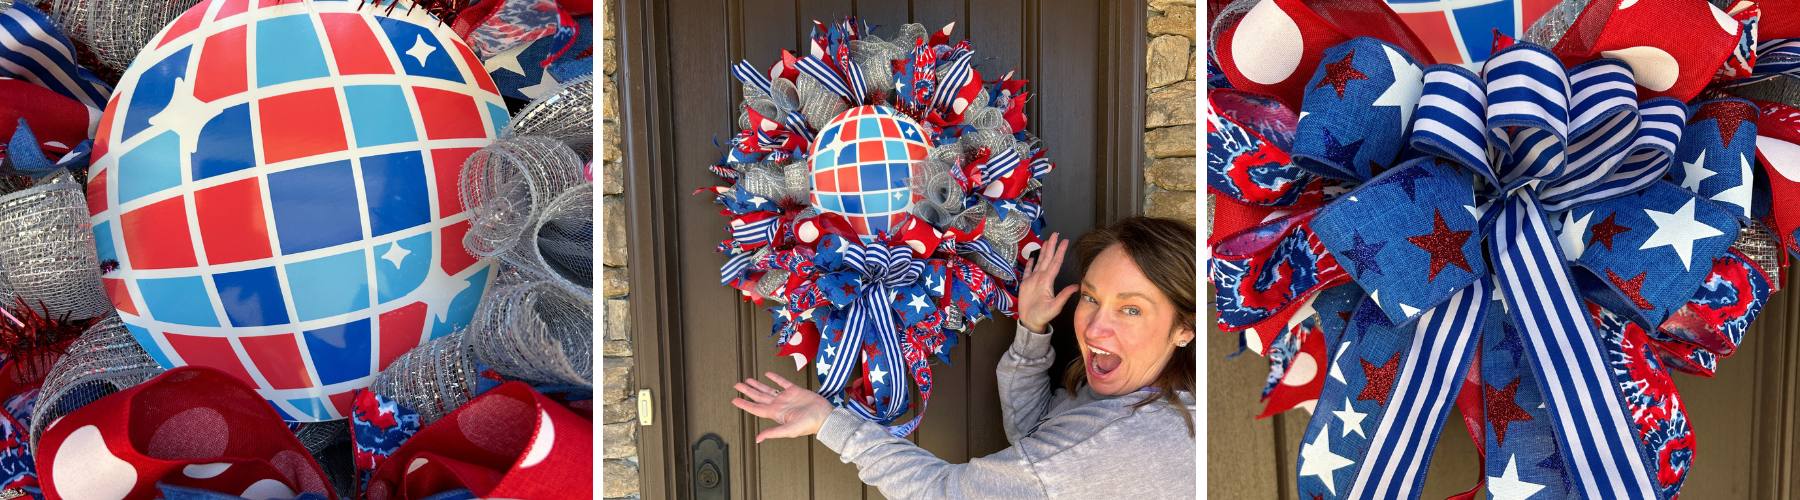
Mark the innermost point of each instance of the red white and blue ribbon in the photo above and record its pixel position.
(1599, 212)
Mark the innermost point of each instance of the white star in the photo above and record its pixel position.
(758, 200)
(918, 303)
(1404, 93)
(1508, 486)
(1573, 235)
(831, 352)
(1352, 419)
(806, 315)
(1337, 373)
(395, 254)
(421, 50)
(544, 86)
(877, 375)
(1694, 171)
(1739, 195)
(1317, 460)
(787, 314)
(1678, 231)
(1376, 296)
(184, 115)
(506, 60)
(438, 298)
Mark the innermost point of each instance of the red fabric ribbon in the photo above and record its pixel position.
(510, 442)
(191, 426)
(1280, 42)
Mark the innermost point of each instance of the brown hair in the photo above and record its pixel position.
(1164, 249)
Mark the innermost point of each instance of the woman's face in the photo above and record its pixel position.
(1126, 327)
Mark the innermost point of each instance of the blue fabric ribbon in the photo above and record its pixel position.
(1489, 163)
(862, 281)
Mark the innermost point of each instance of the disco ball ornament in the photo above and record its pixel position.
(860, 164)
(275, 193)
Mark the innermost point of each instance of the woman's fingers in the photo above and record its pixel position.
(1062, 297)
(785, 385)
(755, 394)
(759, 385)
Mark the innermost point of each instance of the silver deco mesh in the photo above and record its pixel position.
(1760, 245)
(531, 209)
(507, 184)
(432, 379)
(537, 332)
(47, 250)
(104, 360)
(566, 115)
(112, 31)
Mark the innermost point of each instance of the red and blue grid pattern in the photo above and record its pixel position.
(1461, 32)
(277, 182)
(860, 164)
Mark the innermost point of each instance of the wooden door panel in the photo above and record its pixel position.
(687, 104)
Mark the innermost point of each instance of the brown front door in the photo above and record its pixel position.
(694, 337)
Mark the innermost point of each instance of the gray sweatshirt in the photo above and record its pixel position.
(1086, 446)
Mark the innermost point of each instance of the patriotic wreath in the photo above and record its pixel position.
(1537, 245)
(884, 198)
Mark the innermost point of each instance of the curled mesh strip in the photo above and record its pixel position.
(47, 250)
(506, 184)
(566, 115)
(104, 360)
(561, 247)
(432, 379)
(537, 332)
(113, 31)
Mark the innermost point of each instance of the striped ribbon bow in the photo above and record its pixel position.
(1534, 170)
(862, 282)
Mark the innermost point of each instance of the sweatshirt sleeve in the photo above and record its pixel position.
(901, 469)
(1024, 382)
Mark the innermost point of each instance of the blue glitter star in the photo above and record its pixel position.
(1407, 178)
(1363, 255)
(1368, 314)
(1338, 152)
(1509, 343)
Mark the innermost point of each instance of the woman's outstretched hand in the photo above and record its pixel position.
(797, 411)
(1038, 304)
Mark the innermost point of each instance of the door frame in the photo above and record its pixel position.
(650, 203)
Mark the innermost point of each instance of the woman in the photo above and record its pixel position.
(1122, 425)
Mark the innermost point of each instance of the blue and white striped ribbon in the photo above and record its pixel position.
(814, 67)
(951, 77)
(1000, 164)
(750, 76)
(1780, 55)
(1429, 380)
(31, 49)
(1595, 434)
(884, 269)
(1528, 126)
(756, 232)
(735, 264)
(1039, 167)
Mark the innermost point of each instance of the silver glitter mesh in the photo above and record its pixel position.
(1760, 245)
(1550, 29)
(507, 184)
(432, 379)
(771, 283)
(817, 103)
(104, 360)
(777, 181)
(1003, 234)
(561, 246)
(113, 31)
(1784, 89)
(536, 332)
(943, 199)
(47, 250)
(566, 115)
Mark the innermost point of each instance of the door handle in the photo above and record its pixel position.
(711, 477)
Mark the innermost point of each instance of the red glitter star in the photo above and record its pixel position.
(1605, 230)
(1339, 74)
(1444, 245)
(1729, 114)
(1632, 288)
(1502, 410)
(1381, 381)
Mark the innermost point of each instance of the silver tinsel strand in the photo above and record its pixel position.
(433, 379)
(507, 184)
(536, 332)
(113, 31)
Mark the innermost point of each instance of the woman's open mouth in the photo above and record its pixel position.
(1102, 363)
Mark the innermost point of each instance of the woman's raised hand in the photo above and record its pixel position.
(797, 411)
(1038, 304)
